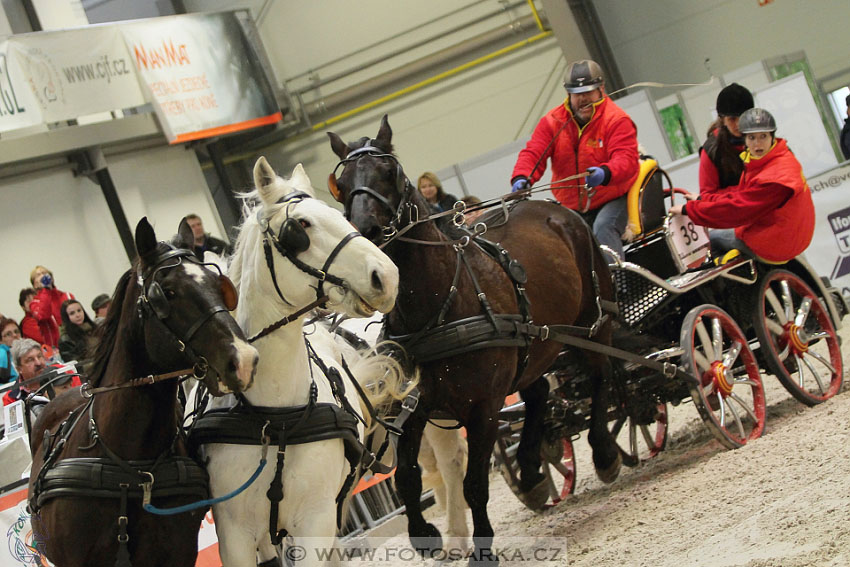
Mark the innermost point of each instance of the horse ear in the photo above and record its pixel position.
(264, 180)
(300, 180)
(145, 238)
(185, 237)
(338, 146)
(385, 133)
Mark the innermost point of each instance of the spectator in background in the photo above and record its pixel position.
(29, 324)
(31, 364)
(77, 337)
(100, 307)
(204, 241)
(9, 333)
(431, 188)
(46, 307)
(845, 132)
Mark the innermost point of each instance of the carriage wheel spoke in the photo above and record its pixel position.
(705, 340)
(803, 312)
(818, 336)
(813, 370)
(647, 436)
(817, 356)
(743, 404)
(717, 338)
(735, 415)
(777, 307)
(731, 355)
(562, 469)
(633, 444)
(702, 362)
(722, 410)
(745, 383)
(787, 300)
(774, 327)
(708, 389)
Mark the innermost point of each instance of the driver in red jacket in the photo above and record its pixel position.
(587, 133)
(770, 215)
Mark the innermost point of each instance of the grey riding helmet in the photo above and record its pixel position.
(756, 120)
(583, 76)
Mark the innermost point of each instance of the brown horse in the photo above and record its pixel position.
(561, 259)
(168, 313)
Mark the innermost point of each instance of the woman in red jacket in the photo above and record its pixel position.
(47, 305)
(770, 215)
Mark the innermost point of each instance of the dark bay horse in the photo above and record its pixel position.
(560, 257)
(169, 315)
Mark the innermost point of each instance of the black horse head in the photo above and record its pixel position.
(378, 197)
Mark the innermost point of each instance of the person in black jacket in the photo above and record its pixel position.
(431, 188)
(204, 241)
(77, 338)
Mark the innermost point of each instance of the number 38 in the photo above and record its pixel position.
(689, 233)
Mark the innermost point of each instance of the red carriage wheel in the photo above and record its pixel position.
(728, 393)
(643, 440)
(559, 466)
(797, 339)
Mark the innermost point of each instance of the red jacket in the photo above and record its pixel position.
(30, 328)
(609, 139)
(46, 307)
(771, 210)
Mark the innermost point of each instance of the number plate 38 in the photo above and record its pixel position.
(688, 241)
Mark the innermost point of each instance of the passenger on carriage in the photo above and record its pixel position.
(720, 165)
(588, 132)
(770, 216)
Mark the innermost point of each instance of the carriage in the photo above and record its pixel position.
(721, 323)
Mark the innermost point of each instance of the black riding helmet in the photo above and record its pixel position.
(583, 76)
(734, 100)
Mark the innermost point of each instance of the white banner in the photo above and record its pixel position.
(200, 76)
(74, 73)
(18, 107)
(829, 252)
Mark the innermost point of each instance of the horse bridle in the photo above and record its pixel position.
(291, 240)
(153, 302)
(403, 186)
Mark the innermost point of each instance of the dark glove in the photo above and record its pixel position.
(46, 280)
(596, 176)
(520, 184)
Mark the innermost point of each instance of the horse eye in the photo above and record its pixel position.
(304, 223)
(169, 293)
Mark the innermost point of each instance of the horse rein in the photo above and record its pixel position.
(198, 371)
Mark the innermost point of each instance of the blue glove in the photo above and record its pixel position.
(596, 176)
(521, 184)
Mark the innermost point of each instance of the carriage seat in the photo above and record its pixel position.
(645, 201)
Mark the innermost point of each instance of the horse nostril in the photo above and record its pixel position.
(256, 361)
(374, 234)
(232, 366)
(376, 281)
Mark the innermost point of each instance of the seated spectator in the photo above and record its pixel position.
(76, 337)
(100, 307)
(31, 364)
(46, 307)
(9, 333)
(204, 241)
(29, 324)
(431, 188)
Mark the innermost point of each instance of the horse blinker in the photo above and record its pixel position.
(292, 236)
(228, 292)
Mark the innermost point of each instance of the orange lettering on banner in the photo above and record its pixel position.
(168, 55)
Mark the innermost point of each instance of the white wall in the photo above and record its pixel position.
(62, 222)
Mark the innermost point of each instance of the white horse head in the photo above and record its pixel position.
(305, 237)
(291, 251)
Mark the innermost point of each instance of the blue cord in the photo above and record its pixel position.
(204, 503)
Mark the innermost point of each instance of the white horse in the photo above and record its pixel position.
(296, 229)
(442, 457)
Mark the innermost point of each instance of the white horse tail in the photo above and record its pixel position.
(382, 377)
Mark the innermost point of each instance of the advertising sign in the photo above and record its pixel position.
(74, 73)
(18, 108)
(829, 252)
(198, 71)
